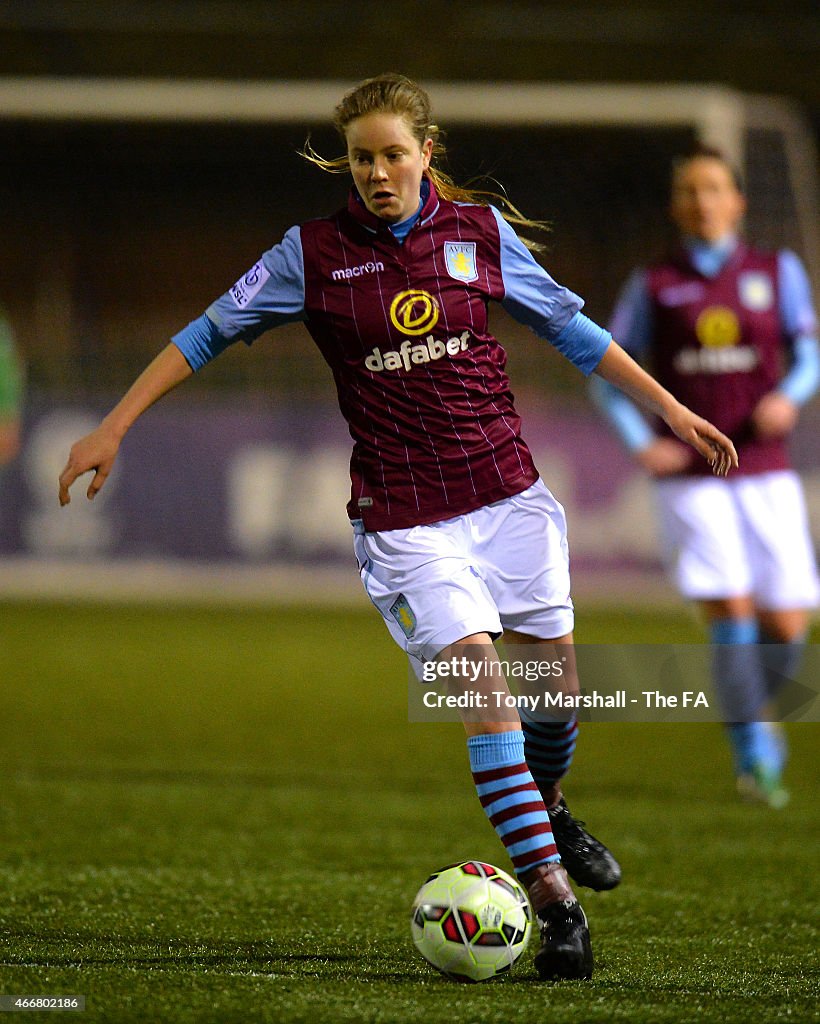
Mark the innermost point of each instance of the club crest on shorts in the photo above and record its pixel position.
(403, 614)
(755, 291)
(459, 258)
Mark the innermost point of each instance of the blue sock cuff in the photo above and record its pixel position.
(734, 631)
(496, 749)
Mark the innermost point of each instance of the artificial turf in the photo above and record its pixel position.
(223, 815)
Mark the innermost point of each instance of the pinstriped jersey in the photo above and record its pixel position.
(403, 327)
(720, 346)
(420, 381)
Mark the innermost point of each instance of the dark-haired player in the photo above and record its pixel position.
(731, 330)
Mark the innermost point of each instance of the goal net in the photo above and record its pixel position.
(129, 205)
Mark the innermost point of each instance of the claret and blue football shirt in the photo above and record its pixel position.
(721, 324)
(402, 324)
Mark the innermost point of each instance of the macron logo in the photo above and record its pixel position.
(364, 268)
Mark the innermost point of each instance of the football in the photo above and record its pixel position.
(471, 921)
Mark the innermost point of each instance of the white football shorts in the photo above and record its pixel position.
(503, 566)
(743, 536)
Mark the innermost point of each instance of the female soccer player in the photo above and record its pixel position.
(719, 321)
(457, 538)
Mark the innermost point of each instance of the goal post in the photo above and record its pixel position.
(130, 203)
(717, 115)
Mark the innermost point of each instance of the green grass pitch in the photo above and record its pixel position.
(219, 815)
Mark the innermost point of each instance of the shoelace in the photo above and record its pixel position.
(572, 820)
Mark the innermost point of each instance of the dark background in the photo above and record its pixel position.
(754, 46)
(115, 235)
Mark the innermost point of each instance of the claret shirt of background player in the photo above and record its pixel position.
(403, 328)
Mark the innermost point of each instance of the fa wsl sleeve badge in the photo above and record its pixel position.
(459, 258)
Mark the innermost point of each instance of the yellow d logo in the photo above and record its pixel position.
(717, 327)
(414, 312)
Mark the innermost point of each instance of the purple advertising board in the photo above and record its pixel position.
(209, 480)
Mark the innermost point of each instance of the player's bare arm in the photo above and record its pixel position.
(97, 451)
(621, 370)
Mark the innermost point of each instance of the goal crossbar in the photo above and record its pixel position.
(717, 114)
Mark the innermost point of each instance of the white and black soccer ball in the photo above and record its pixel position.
(471, 921)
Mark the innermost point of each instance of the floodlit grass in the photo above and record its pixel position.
(223, 815)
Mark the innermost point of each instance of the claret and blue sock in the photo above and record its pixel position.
(548, 748)
(512, 801)
(745, 685)
(781, 661)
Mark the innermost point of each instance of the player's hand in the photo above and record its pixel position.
(96, 451)
(665, 457)
(705, 438)
(775, 415)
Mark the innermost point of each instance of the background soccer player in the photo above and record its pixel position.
(457, 538)
(731, 330)
(11, 394)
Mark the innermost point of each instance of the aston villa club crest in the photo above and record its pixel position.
(459, 258)
(404, 615)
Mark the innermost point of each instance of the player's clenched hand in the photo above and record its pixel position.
(705, 438)
(665, 456)
(775, 415)
(96, 451)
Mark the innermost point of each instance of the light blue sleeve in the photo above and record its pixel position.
(800, 324)
(632, 322)
(629, 422)
(530, 294)
(200, 342)
(632, 329)
(583, 342)
(803, 379)
(270, 294)
(796, 307)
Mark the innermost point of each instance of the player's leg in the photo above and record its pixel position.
(512, 802)
(783, 625)
(524, 556)
(781, 554)
(549, 745)
(783, 633)
(741, 683)
(705, 544)
(436, 605)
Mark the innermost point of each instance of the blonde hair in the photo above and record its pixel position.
(394, 94)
